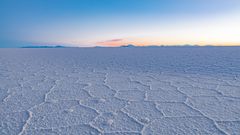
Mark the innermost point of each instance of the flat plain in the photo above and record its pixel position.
(120, 91)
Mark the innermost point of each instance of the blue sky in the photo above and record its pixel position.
(117, 22)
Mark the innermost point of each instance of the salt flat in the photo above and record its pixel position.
(120, 91)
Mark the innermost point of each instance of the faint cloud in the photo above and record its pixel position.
(112, 42)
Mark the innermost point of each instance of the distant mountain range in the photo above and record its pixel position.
(156, 46)
(131, 46)
(123, 46)
(58, 46)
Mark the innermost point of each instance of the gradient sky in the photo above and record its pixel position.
(118, 22)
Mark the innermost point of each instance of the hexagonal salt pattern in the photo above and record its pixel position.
(120, 91)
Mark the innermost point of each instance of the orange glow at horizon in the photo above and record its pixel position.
(167, 42)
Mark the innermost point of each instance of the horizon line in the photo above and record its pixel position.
(123, 46)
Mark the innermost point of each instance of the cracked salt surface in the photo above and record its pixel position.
(120, 91)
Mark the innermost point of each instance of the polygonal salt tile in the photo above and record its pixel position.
(78, 74)
(93, 78)
(77, 129)
(130, 85)
(180, 84)
(47, 84)
(74, 116)
(123, 133)
(232, 91)
(204, 85)
(21, 101)
(156, 85)
(172, 109)
(144, 79)
(166, 96)
(117, 77)
(172, 78)
(100, 91)
(49, 131)
(8, 83)
(219, 109)
(70, 130)
(195, 91)
(3, 94)
(117, 122)
(105, 105)
(144, 111)
(69, 86)
(182, 126)
(54, 106)
(22, 89)
(36, 84)
(230, 127)
(12, 123)
(68, 93)
(131, 95)
(67, 80)
(207, 80)
(234, 82)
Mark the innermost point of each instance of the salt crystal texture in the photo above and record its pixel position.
(120, 91)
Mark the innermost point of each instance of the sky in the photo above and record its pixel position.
(86, 23)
